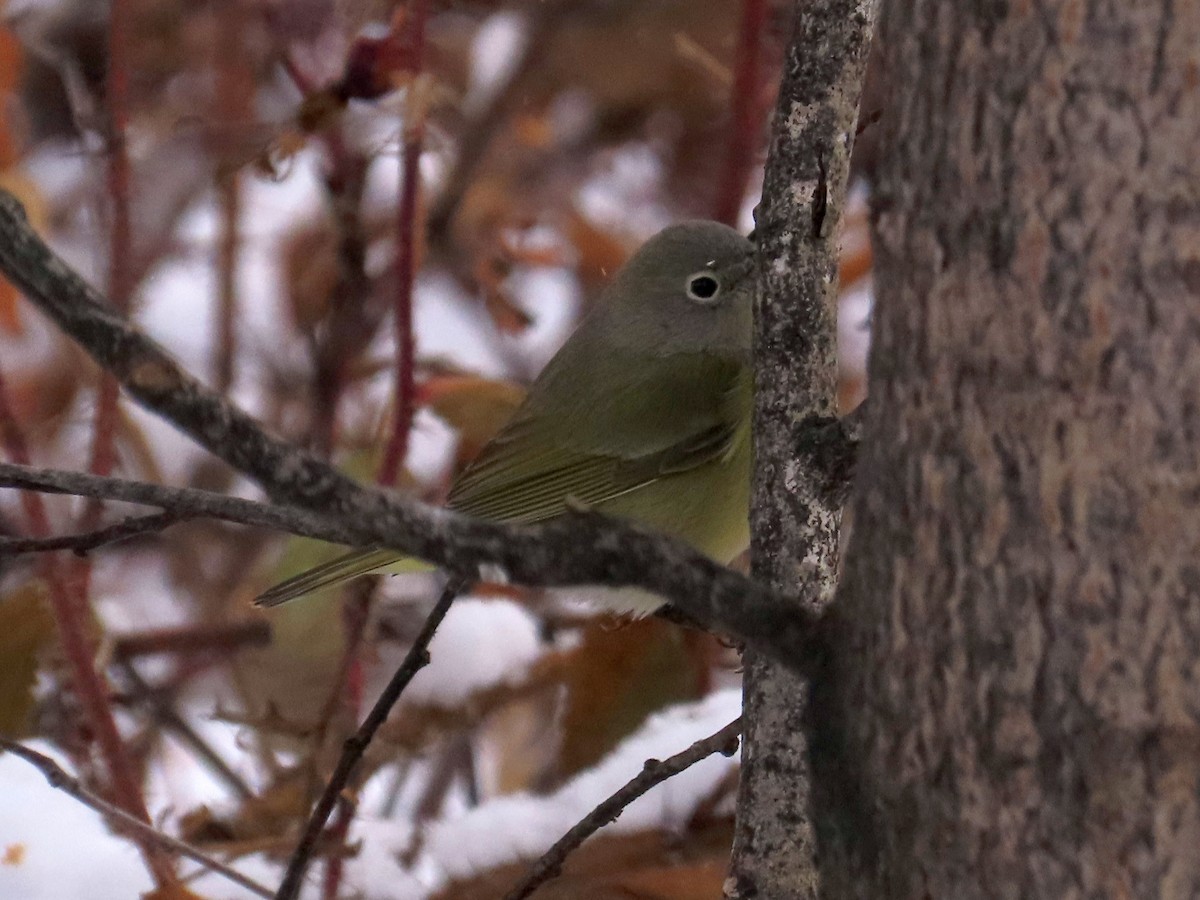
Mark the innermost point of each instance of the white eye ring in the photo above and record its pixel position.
(703, 287)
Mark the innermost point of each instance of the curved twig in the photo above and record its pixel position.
(59, 778)
(356, 745)
(653, 772)
(83, 543)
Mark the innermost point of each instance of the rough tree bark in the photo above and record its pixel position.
(1014, 699)
(795, 525)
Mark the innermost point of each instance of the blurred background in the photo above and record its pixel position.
(370, 223)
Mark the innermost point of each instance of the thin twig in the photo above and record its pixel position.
(232, 100)
(356, 745)
(653, 772)
(347, 694)
(120, 245)
(191, 503)
(168, 717)
(81, 544)
(745, 124)
(59, 778)
(544, 18)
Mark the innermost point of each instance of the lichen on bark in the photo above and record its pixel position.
(793, 521)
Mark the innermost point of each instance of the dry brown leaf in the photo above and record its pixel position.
(13, 855)
(15, 182)
(319, 110)
(42, 398)
(620, 675)
(10, 317)
(491, 273)
(172, 892)
(477, 408)
(600, 254)
(270, 814)
(856, 260)
(309, 273)
(12, 61)
(648, 865)
(26, 630)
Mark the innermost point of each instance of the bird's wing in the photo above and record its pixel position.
(539, 463)
(509, 487)
(530, 471)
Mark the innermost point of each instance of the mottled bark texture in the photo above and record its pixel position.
(1014, 706)
(794, 522)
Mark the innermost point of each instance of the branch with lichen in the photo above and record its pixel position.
(581, 547)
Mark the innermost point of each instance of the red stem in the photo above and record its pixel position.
(405, 392)
(117, 96)
(90, 686)
(406, 239)
(355, 612)
(746, 116)
(232, 109)
(103, 453)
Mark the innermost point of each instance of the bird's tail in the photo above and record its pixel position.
(336, 571)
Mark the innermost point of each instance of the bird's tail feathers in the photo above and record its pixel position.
(336, 571)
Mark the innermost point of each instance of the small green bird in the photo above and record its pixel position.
(644, 413)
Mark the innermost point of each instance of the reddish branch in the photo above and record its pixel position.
(89, 684)
(406, 242)
(348, 325)
(745, 127)
(350, 681)
(234, 92)
(120, 246)
(117, 97)
(219, 638)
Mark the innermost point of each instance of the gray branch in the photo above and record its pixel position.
(314, 499)
(796, 506)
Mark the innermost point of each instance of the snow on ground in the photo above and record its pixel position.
(52, 846)
(481, 643)
(524, 825)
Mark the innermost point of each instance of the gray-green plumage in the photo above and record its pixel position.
(643, 413)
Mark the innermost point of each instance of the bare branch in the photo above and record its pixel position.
(356, 745)
(213, 638)
(653, 772)
(68, 603)
(81, 544)
(191, 503)
(579, 548)
(59, 778)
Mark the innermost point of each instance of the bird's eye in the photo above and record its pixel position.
(702, 287)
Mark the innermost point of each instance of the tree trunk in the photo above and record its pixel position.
(795, 527)
(1012, 707)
